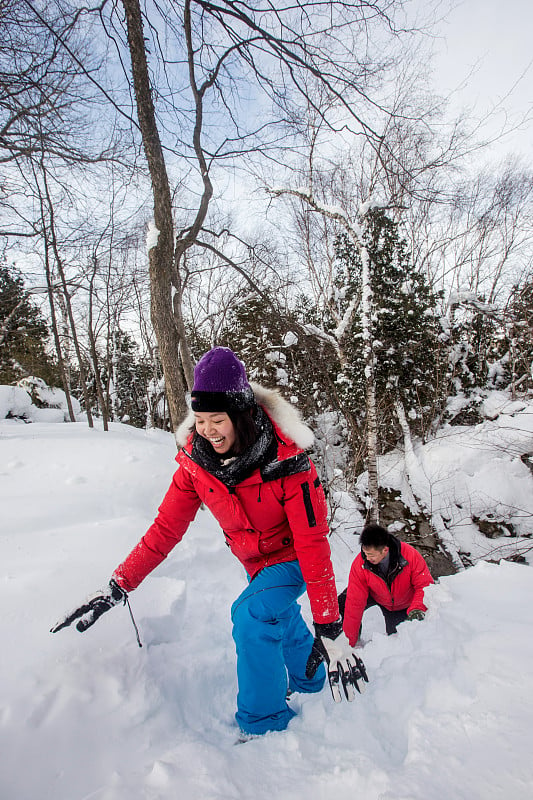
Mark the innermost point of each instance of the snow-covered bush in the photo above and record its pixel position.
(15, 402)
(33, 401)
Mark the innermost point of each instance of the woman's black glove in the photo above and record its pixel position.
(93, 608)
(332, 646)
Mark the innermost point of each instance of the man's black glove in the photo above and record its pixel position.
(93, 608)
(344, 667)
(417, 614)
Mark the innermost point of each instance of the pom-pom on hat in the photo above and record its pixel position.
(220, 383)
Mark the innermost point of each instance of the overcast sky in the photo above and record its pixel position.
(490, 41)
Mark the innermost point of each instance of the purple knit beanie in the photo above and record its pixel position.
(220, 383)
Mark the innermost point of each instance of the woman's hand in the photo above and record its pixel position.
(93, 608)
(344, 667)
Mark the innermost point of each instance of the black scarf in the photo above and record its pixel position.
(232, 470)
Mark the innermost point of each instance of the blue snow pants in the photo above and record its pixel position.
(273, 644)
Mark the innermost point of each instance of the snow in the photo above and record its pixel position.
(465, 296)
(481, 471)
(368, 204)
(342, 327)
(152, 236)
(448, 712)
(282, 377)
(14, 401)
(276, 355)
(290, 339)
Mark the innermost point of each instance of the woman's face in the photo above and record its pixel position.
(217, 428)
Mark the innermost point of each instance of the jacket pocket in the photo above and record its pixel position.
(277, 541)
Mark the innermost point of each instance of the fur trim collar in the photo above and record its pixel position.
(280, 411)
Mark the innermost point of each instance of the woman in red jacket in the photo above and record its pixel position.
(387, 573)
(243, 456)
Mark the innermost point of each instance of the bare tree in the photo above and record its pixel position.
(37, 80)
(51, 243)
(490, 239)
(286, 52)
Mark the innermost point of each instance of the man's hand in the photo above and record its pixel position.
(417, 614)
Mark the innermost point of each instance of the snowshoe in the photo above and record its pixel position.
(356, 677)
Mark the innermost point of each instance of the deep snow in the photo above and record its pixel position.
(448, 713)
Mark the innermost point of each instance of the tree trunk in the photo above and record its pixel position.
(55, 331)
(97, 379)
(53, 315)
(372, 452)
(94, 352)
(161, 253)
(185, 352)
(66, 297)
(370, 386)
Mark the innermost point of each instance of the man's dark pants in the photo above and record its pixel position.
(392, 618)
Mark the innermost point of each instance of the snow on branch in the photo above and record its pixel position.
(312, 330)
(466, 298)
(343, 325)
(332, 212)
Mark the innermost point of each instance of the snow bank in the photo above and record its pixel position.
(467, 474)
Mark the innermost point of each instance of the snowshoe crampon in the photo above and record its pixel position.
(359, 674)
(354, 676)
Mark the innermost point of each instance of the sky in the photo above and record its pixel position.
(483, 67)
(448, 710)
(484, 56)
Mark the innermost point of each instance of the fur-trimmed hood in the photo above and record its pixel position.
(280, 411)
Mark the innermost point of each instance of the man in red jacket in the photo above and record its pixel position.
(388, 573)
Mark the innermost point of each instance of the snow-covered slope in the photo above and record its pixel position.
(448, 713)
(467, 476)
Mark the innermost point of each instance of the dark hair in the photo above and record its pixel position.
(374, 536)
(245, 430)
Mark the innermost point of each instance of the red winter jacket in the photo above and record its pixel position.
(264, 521)
(410, 576)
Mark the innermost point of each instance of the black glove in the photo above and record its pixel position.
(332, 646)
(416, 613)
(93, 608)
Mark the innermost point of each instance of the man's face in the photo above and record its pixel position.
(375, 554)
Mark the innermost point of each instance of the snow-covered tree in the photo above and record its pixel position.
(23, 332)
(473, 326)
(282, 348)
(406, 332)
(126, 378)
(511, 365)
